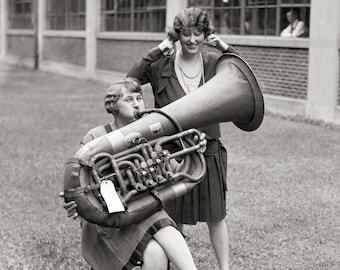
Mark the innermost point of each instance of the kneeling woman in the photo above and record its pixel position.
(153, 241)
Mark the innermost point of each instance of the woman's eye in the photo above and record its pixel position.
(186, 33)
(197, 33)
(128, 99)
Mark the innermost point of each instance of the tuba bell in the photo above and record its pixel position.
(135, 156)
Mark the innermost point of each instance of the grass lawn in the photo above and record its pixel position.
(284, 182)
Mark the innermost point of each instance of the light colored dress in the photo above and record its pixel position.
(118, 248)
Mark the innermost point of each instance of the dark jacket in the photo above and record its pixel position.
(159, 71)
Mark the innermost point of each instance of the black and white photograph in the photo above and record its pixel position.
(170, 134)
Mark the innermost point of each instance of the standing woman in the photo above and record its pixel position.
(172, 77)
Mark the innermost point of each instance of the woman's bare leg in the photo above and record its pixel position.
(176, 248)
(154, 257)
(220, 241)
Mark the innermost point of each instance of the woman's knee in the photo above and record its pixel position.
(154, 257)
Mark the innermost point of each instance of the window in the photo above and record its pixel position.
(260, 17)
(227, 16)
(20, 14)
(65, 14)
(133, 15)
(252, 17)
(302, 7)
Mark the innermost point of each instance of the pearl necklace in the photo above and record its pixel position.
(188, 83)
(200, 70)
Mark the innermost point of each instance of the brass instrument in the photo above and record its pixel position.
(136, 159)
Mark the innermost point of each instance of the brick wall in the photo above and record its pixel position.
(281, 71)
(121, 55)
(21, 46)
(65, 50)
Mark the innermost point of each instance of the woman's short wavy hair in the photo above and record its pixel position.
(190, 18)
(114, 92)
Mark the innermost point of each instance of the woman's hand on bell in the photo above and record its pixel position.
(70, 207)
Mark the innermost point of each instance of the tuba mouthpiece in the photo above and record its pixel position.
(138, 114)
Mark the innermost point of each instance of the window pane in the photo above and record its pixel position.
(18, 9)
(124, 5)
(201, 3)
(256, 2)
(82, 6)
(123, 22)
(271, 2)
(20, 14)
(150, 22)
(27, 8)
(252, 25)
(66, 14)
(260, 21)
(227, 3)
(159, 2)
(73, 5)
(107, 4)
(227, 21)
(271, 22)
(295, 2)
(109, 22)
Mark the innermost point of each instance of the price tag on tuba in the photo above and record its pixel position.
(110, 196)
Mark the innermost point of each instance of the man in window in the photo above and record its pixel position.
(296, 28)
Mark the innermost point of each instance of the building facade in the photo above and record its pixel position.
(84, 38)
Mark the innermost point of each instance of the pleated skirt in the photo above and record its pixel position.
(207, 200)
(120, 248)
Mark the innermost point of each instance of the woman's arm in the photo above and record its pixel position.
(230, 49)
(141, 68)
(215, 41)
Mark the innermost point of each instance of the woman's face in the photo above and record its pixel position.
(128, 103)
(191, 40)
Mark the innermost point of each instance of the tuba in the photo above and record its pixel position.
(136, 158)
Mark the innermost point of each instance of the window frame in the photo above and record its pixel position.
(280, 6)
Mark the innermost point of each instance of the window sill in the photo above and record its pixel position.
(64, 33)
(148, 36)
(266, 41)
(20, 32)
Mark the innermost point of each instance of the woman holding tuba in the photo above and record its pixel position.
(148, 244)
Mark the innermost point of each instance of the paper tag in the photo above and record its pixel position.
(110, 196)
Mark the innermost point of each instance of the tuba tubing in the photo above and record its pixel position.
(138, 206)
(234, 96)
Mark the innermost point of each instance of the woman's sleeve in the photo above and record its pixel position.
(141, 70)
(86, 139)
(230, 49)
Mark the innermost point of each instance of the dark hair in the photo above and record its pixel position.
(190, 17)
(114, 92)
(294, 12)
